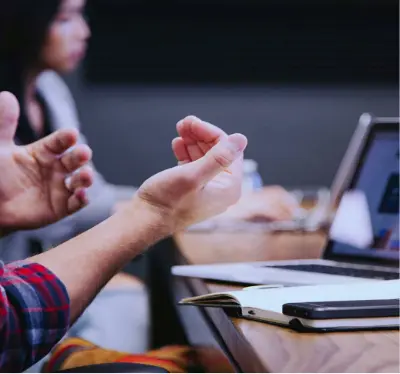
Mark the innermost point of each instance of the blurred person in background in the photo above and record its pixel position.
(39, 40)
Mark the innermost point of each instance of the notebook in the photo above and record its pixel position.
(264, 303)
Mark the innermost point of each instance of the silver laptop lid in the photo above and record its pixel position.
(366, 226)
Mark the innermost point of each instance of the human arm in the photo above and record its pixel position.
(165, 203)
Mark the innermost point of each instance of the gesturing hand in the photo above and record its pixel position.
(33, 191)
(205, 183)
(271, 203)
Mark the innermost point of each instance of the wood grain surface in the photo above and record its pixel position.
(261, 347)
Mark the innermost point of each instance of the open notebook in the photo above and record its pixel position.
(264, 303)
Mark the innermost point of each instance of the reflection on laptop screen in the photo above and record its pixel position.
(376, 228)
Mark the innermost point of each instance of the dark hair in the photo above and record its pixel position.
(23, 28)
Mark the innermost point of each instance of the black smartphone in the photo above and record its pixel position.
(343, 309)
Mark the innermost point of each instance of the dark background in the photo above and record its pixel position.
(247, 41)
(294, 76)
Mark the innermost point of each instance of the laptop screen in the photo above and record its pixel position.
(367, 221)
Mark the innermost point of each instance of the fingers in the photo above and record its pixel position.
(77, 184)
(274, 211)
(52, 145)
(59, 143)
(76, 158)
(194, 129)
(56, 143)
(81, 179)
(220, 157)
(180, 150)
(274, 203)
(186, 153)
(195, 152)
(9, 114)
(199, 136)
(77, 201)
(257, 212)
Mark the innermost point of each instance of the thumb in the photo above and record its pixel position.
(220, 158)
(9, 114)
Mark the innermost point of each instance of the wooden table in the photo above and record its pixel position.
(259, 347)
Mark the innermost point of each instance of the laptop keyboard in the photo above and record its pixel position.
(334, 270)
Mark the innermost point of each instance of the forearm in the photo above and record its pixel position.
(86, 263)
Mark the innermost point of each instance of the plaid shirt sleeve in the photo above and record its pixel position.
(34, 314)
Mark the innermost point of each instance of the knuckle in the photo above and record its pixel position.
(59, 141)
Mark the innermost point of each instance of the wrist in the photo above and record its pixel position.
(143, 221)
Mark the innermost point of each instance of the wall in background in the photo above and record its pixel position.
(243, 41)
(298, 134)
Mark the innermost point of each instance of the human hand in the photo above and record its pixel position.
(33, 188)
(206, 182)
(271, 203)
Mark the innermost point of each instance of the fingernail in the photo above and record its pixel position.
(67, 182)
(192, 118)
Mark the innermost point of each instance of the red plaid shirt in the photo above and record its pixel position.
(34, 314)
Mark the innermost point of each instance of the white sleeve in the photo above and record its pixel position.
(102, 195)
(102, 198)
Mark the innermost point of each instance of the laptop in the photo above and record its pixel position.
(363, 237)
